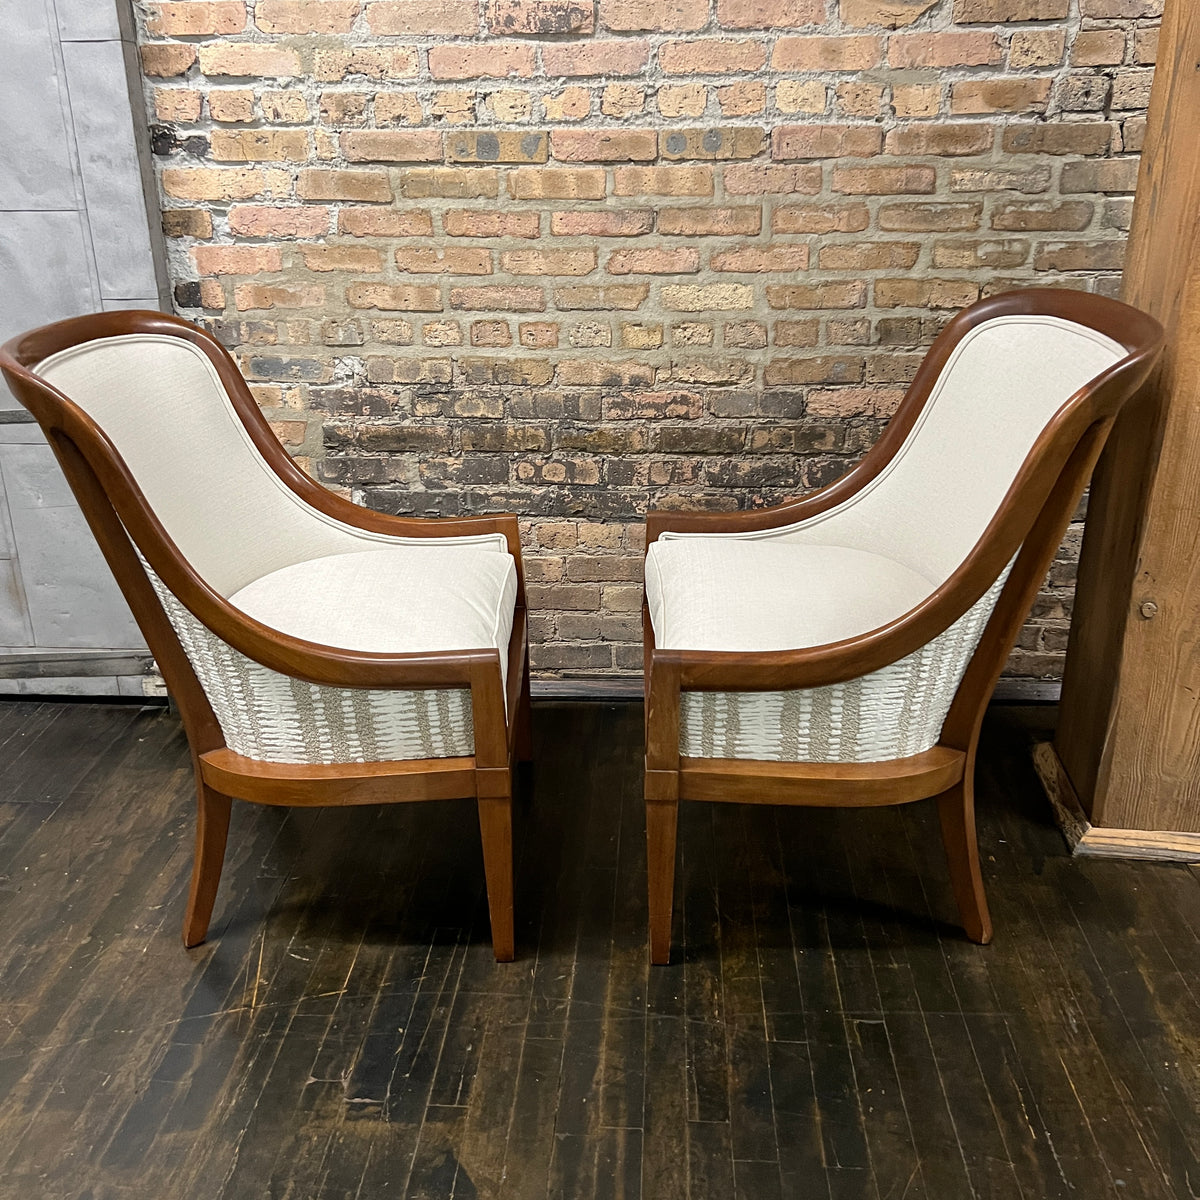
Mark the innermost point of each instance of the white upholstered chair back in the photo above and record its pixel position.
(162, 404)
(999, 389)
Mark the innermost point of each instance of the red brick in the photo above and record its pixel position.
(538, 335)
(177, 105)
(928, 218)
(634, 16)
(248, 296)
(374, 62)
(259, 145)
(884, 181)
(1039, 215)
(539, 16)
(712, 143)
(826, 141)
(164, 61)
(392, 145)
(237, 260)
(621, 296)
(496, 146)
(988, 12)
(492, 60)
(408, 17)
(557, 183)
(999, 95)
(491, 333)
(498, 298)
(970, 255)
(248, 58)
(618, 57)
(264, 220)
(392, 298)
(891, 14)
(700, 222)
(449, 260)
(851, 293)
(663, 181)
(187, 222)
(879, 402)
(1098, 48)
(1079, 256)
(797, 333)
(385, 222)
(925, 293)
(940, 140)
(654, 261)
(1109, 175)
(474, 222)
(758, 179)
(769, 14)
(610, 222)
(974, 49)
(760, 259)
(1075, 137)
(305, 16)
(362, 259)
(222, 183)
(327, 183)
(548, 262)
(822, 218)
(461, 183)
(831, 369)
(858, 52)
(597, 145)
(868, 256)
(233, 105)
(1112, 10)
(711, 56)
(196, 19)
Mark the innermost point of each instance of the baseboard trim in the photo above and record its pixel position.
(1087, 840)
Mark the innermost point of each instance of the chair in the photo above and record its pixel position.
(840, 650)
(320, 653)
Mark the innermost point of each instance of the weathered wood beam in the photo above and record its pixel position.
(1129, 731)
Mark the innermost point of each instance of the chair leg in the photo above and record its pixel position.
(956, 807)
(662, 819)
(495, 830)
(212, 829)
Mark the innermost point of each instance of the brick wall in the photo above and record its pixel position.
(574, 259)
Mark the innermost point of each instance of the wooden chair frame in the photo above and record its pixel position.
(1029, 524)
(121, 520)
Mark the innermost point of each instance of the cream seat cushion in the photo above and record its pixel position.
(394, 600)
(729, 594)
(726, 594)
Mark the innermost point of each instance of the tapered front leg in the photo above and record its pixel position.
(495, 830)
(956, 807)
(212, 831)
(662, 819)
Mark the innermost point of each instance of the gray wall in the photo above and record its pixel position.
(75, 236)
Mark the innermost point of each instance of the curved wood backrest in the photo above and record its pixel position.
(1031, 518)
(118, 513)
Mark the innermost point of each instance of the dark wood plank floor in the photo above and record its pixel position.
(824, 1031)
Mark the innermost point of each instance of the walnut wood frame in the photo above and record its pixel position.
(121, 520)
(1029, 524)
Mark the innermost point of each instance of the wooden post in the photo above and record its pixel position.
(1127, 753)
